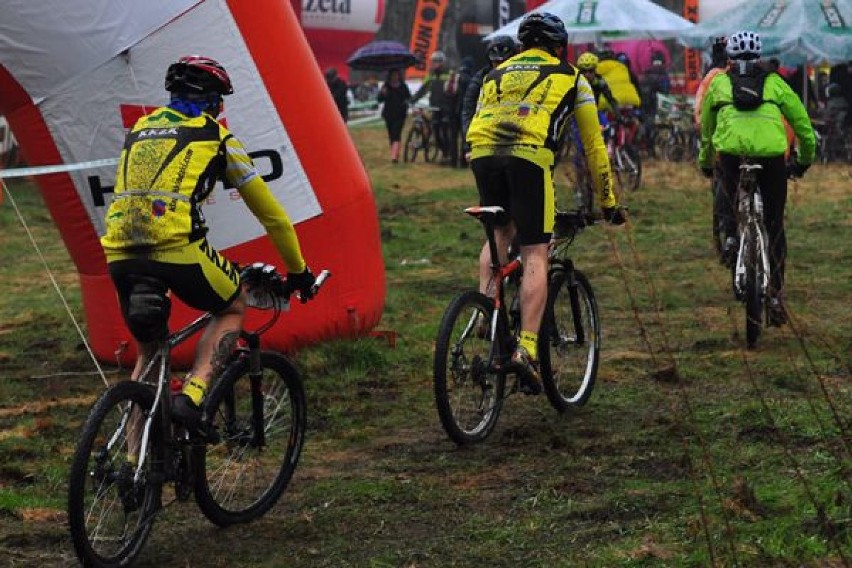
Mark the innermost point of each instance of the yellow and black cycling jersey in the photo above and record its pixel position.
(524, 106)
(168, 167)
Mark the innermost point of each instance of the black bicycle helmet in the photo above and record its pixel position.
(198, 75)
(501, 48)
(542, 29)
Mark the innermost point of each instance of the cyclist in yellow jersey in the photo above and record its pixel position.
(171, 160)
(523, 108)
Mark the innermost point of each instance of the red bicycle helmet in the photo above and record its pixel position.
(198, 74)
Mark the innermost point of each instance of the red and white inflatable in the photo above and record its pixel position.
(72, 81)
(336, 28)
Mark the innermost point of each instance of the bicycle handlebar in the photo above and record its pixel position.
(267, 289)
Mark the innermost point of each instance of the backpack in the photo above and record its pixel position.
(747, 86)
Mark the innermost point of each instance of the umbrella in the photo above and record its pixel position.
(796, 30)
(381, 55)
(596, 20)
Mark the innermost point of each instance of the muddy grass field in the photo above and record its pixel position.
(692, 450)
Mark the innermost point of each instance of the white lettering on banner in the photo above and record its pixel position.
(360, 15)
(586, 13)
(833, 17)
(772, 16)
(503, 14)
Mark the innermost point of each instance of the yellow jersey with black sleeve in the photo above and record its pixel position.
(524, 107)
(168, 167)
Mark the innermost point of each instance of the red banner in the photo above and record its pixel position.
(691, 57)
(425, 33)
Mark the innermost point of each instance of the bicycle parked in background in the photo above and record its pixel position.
(253, 422)
(478, 334)
(422, 137)
(623, 153)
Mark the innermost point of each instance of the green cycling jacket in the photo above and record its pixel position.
(757, 133)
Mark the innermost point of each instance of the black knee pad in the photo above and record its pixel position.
(148, 309)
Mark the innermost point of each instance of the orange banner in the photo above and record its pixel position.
(425, 33)
(691, 57)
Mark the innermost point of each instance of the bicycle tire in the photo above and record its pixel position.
(569, 341)
(430, 147)
(719, 203)
(753, 292)
(238, 479)
(413, 143)
(633, 169)
(468, 397)
(102, 494)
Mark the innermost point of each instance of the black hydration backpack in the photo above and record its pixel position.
(747, 85)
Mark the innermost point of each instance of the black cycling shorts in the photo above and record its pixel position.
(521, 187)
(197, 274)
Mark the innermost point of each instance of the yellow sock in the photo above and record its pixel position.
(195, 388)
(529, 341)
(132, 459)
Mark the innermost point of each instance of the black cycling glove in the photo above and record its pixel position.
(797, 170)
(707, 172)
(303, 282)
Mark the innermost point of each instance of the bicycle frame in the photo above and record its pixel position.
(499, 274)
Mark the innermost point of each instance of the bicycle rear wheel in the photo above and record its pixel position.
(413, 143)
(111, 505)
(753, 288)
(468, 392)
(261, 423)
(569, 340)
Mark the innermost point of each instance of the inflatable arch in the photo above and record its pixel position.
(72, 81)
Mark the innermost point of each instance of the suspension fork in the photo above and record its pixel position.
(566, 266)
(256, 381)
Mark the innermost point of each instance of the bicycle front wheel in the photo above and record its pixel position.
(468, 391)
(629, 167)
(431, 147)
(413, 143)
(260, 422)
(569, 341)
(112, 503)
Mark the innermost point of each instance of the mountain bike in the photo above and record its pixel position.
(253, 422)
(421, 137)
(478, 334)
(751, 269)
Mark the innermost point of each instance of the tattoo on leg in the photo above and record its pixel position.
(223, 350)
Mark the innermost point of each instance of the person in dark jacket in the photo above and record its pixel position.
(339, 91)
(499, 49)
(435, 84)
(395, 95)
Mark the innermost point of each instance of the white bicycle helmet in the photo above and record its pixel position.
(743, 45)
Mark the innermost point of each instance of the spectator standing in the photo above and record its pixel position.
(443, 104)
(458, 87)
(655, 81)
(339, 91)
(395, 95)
